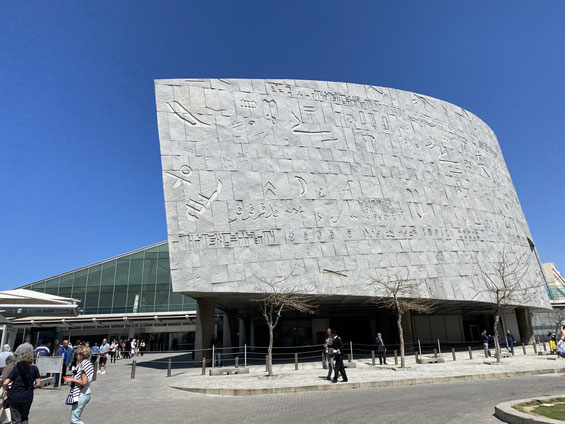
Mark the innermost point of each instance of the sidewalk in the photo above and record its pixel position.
(310, 376)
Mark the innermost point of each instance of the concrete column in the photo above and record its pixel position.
(230, 328)
(205, 322)
(407, 327)
(525, 325)
(252, 331)
(170, 344)
(242, 332)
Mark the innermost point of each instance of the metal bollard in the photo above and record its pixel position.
(237, 361)
(453, 353)
(524, 348)
(395, 357)
(203, 366)
(133, 369)
(349, 357)
(296, 361)
(470, 353)
(373, 356)
(169, 367)
(351, 350)
(267, 363)
(435, 353)
(535, 348)
(544, 347)
(95, 371)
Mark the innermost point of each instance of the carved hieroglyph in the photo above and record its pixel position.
(337, 183)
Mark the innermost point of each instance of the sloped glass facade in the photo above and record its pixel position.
(138, 281)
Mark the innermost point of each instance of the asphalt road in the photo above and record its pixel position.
(460, 402)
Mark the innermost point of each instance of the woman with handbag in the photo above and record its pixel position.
(6, 416)
(79, 394)
(24, 378)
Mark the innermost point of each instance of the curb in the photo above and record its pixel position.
(505, 412)
(363, 385)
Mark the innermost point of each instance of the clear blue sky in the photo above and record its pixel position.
(80, 172)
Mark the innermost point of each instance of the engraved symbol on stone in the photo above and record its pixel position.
(270, 110)
(308, 114)
(248, 104)
(181, 176)
(385, 123)
(425, 101)
(414, 204)
(319, 218)
(321, 192)
(303, 186)
(278, 89)
(269, 187)
(195, 208)
(297, 130)
(185, 116)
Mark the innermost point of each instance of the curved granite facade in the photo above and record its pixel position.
(335, 183)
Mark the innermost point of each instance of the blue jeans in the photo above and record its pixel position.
(218, 359)
(20, 412)
(510, 347)
(77, 409)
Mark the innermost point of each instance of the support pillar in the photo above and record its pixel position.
(231, 327)
(205, 321)
(524, 319)
(242, 332)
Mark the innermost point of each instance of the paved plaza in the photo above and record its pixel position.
(149, 398)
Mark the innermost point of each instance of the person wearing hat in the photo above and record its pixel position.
(338, 357)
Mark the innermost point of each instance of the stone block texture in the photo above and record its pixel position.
(335, 184)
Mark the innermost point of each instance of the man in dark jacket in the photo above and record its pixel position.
(510, 341)
(381, 349)
(485, 337)
(338, 357)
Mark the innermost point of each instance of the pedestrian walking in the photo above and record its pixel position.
(113, 351)
(42, 349)
(79, 394)
(20, 384)
(25, 347)
(67, 353)
(510, 341)
(381, 349)
(141, 347)
(552, 341)
(133, 348)
(6, 352)
(104, 350)
(485, 339)
(338, 355)
(329, 353)
(94, 352)
(10, 364)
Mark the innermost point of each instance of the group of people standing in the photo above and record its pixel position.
(557, 346)
(20, 377)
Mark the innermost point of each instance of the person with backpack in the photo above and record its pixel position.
(24, 379)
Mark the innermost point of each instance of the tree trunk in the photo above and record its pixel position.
(401, 337)
(270, 353)
(496, 344)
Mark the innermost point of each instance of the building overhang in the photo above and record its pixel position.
(107, 320)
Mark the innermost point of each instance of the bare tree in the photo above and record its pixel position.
(401, 295)
(557, 316)
(277, 297)
(506, 281)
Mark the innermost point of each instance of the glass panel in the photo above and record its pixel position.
(52, 286)
(150, 269)
(164, 248)
(119, 302)
(80, 278)
(66, 291)
(163, 271)
(147, 302)
(122, 272)
(91, 302)
(161, 298)
(94, 276)
(106, 296)
(39, 287)
(136, 268)
(67, 280)
(108, 272)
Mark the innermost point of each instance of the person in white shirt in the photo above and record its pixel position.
(6, 351)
